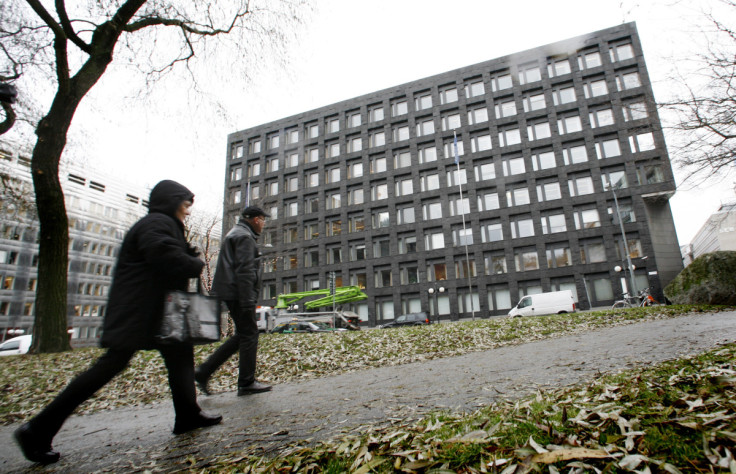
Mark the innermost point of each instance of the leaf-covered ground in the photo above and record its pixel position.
(29, 382)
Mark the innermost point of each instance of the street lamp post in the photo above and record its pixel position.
(629, 265)
(433, 291)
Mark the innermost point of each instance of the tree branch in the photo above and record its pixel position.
(67, 28)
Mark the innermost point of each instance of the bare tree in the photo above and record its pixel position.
(64, 52)
(203, 232)
(705, 123)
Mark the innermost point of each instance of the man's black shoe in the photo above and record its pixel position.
(255, 387)
(33, 448)
(200, 420)
(202, 381)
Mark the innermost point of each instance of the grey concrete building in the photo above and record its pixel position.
(718, 233)
(369, 188)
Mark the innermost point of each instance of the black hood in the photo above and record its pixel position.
(167, 196)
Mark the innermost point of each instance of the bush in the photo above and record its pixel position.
(709, 279)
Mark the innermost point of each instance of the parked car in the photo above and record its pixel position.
(555, 302)
(411, 319)
(16, 345)
(304, 326)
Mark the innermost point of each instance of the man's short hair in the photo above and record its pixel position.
(254, 211)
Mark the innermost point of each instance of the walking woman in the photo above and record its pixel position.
(154, 258)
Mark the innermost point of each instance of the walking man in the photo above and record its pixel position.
(238, 282)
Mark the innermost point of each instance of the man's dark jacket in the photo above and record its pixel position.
(154, 258)
(238, 272)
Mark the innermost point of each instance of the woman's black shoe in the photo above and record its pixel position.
(201, 420)
(34, 449)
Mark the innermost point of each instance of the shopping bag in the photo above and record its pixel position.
(189, 317)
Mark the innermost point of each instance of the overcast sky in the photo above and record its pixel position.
(355, 47)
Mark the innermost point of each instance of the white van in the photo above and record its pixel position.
(556, 302)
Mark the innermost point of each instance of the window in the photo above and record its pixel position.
(354, 144)
(311, 180)
(474, 89)
(564, 95)
(334, 255)
(236, 174)
(357, 251)
(627, 81)
(401, 133)
(399, 107)
(607, 148)
(355, 196)
(291, 209)
(558, 67)
(505, 109)
(455, 177)
(236, 196)
(513, 166)
(333, 201)
(311, 204)
(436, 271)
(569, 124)
(450, 148)
(495, 263)
(601, 118)
(485, 171)
(625, 208)
(291, 183)
(379, 191)
(333, 125)
(353, 119)
(255, 192)
(526, 260)
(290, 262)
(431, 210)
(332, 149)
(332, 175)
(501, 82)
(434, 240)
(402, 159)
(237, 151)
(448, 95)
(459, 206)
(543, 160)
(254, 146)
(451, 122)
(650, 174)
(559, 256)
(621, 52)
(538, 131)
(333, 227)
(508, 137)
(534, 102)
(488, 201)
(573, 154)
(580, 185)
(635, 250)
(501, 296)
(375, 113)
(477, 115)
(491, 231)
(595, 88)
(589, 60)
(378, 164)
(465, 269)
(356, 223)
(355, 169)
(291, 160)
(553, 223)
(273, 141)
(380, 219)
(404, 186)
(522, 226)
(254, 168)
(409, 273)
(381, 248)
(592, 251)
(407, 243)
(8, 283)
(641, 142)
(311, 230)
(291, 234)
(586, 218)
(405, 215)
(429, 182)
(376, 138)
(480, 143)
(517, 197)
(292, 136)
(427, 154)
(635, 111)
(614, 178)
(425, 127)
(312, 130)
(423, 101)
(312, 155)
(529, 74)
(548, 191)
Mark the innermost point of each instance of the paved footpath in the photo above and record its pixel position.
(139, 439)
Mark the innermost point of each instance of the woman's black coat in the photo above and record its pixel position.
(154, 258)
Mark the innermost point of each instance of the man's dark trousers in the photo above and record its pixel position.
(245, 340)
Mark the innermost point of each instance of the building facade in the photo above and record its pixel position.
(369, 188)
(100, 210)
(718, 233)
